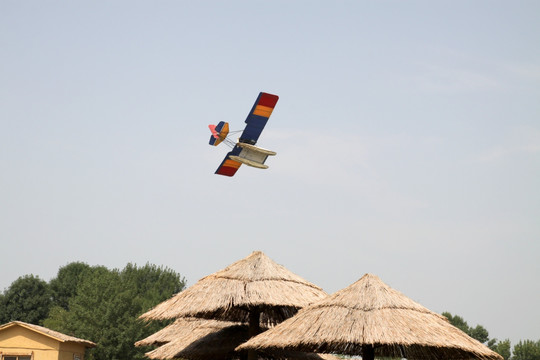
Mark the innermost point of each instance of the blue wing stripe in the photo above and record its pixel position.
(256, 120)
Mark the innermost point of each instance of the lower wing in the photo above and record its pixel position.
(228, 166)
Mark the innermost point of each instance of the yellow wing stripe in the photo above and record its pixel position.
(232, 164)
(261, 110)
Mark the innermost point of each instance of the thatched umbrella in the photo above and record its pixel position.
(254, 290)
(369, 318)
(210, 342)
(184, 328)
(243, 290)
(202, 339)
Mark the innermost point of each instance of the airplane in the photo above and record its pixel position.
(244, 150)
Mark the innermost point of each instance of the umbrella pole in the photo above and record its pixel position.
(368, 352)
(254, 329)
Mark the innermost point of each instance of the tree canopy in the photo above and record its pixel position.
(94, 303)
(106, 306)
(527, 350)
(28, 299)
(524, 350)
(479, 332)
(64, 285)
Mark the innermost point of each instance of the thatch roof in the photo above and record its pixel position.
(369, 318)
(201, 339)
(48, 332)
(255, 282)
(184, 328)
(205, 342)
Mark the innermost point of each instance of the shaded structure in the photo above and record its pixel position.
(186, 329)
(370, 319)
(201, 339)
(254, 291)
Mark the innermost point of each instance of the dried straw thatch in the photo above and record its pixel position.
(185, 328)
(370, 319)
(249, 287)
(208, 341)
(201, 339)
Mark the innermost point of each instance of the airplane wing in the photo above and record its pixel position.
(258, 116)
(228, 167)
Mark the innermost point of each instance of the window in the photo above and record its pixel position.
(17, 357)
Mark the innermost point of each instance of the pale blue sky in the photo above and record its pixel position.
(407, 133)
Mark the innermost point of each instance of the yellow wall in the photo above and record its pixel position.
(67, 350)
(18, 340)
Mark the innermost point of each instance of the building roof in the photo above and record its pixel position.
(48, 332)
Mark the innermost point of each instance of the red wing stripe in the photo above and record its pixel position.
(268, 100)
(228, 167)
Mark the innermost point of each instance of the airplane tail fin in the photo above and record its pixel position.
(219, 133)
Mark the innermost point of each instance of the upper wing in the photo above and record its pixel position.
(258, 116)
(229, 167)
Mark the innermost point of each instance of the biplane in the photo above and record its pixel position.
(244, 150)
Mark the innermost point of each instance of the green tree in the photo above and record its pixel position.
(526, 350)
(64, 285)
(2, 307)
(503, 348)
(27, 299)
(457, 321)
(479, 332)
(107, 304)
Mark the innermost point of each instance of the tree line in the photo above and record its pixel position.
(523, 350)
(94, 303)
(103, 305)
